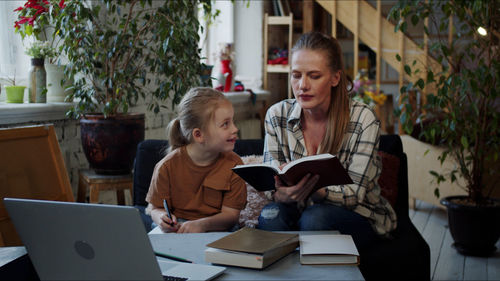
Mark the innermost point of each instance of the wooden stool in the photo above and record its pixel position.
(96, 183)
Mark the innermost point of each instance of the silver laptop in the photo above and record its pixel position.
(68, 241)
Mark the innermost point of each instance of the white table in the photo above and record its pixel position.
(192, 246)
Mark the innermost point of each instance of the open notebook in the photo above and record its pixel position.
(78, 241)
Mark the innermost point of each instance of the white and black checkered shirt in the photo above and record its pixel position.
(284, 142)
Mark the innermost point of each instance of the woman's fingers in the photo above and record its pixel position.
(306, 190)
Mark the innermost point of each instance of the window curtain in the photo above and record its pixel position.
(13, 60)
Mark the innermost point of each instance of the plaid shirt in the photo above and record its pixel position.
(284, 142)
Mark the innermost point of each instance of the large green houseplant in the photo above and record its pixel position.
(122, 51)
(462, 114)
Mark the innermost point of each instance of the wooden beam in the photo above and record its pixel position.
(307, 15)
(265, 43)
(334, 19)
(450, 31)
(425, 91)
(356, 38)
(378, 62)
(290, 38)
(401, 70)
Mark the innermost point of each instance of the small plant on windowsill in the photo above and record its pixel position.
(14, 93)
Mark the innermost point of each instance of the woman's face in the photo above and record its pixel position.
(312, 79)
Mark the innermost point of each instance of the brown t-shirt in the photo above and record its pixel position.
(193, 191)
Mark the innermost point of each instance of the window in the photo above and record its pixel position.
(13, 60)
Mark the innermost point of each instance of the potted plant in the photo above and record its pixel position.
(36, 20)
(120, 52)
(462, 114)
(14, 93)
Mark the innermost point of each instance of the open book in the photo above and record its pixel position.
(252, 248)
(327, 166)
(328, 249)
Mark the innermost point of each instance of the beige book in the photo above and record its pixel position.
(328, 249)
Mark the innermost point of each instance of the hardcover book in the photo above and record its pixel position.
(327, 166)
(252, 248)
(328, 249)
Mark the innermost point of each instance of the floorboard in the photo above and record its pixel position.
(434, 234)
(475, 268)
(493, 266)
(450, 264)
(446, 262)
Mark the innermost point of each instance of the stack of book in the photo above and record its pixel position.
(252, 248)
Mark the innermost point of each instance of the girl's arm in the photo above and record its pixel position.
(222, 221)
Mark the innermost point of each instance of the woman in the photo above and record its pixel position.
(323, 119)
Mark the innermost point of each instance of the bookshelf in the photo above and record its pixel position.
(278, 31)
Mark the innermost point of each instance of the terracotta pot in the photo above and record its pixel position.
(475, 229)
(110, 144)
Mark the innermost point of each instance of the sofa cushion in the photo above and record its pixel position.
(388, 179)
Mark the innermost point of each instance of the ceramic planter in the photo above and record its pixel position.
(475, 229)
(55, 75)
(110, 143)
(14, 94)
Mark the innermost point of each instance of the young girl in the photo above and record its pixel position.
(195, 178)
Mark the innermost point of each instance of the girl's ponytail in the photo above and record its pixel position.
(175, 137)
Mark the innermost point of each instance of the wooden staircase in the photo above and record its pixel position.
(368, 24)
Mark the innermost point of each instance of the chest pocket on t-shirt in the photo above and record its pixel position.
(212, 196)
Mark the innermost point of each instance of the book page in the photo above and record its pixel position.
(304, 159)
(328, 244)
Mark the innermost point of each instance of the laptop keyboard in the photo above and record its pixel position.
(173, 278)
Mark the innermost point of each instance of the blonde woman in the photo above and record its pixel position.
(323, 119)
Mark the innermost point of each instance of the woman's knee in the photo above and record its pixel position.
(277, 216)
(317, 217)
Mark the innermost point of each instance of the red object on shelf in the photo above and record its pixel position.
(281, 60)
(228, 73)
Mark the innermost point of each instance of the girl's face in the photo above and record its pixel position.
(312, 79)
(222, 133)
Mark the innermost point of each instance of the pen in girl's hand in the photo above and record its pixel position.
(163, 255)
(165, 205)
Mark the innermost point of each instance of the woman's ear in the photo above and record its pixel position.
(336, 78)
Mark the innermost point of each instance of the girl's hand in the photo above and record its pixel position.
(196, 226)
(169, 225)
(294, 193)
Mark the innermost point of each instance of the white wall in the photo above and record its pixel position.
(248, 42)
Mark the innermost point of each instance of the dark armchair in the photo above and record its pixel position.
(404, 257)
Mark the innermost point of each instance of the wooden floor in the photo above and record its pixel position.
(446, 262)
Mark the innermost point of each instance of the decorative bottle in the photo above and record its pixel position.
(37, 81)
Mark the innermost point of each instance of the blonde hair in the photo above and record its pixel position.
(196, 109)
(339, 109)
